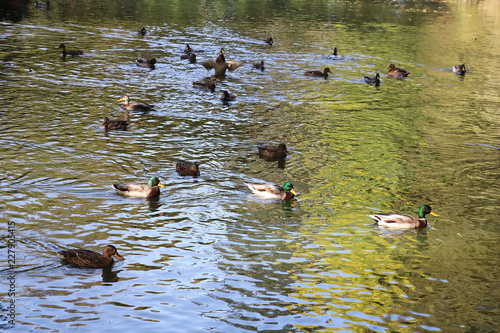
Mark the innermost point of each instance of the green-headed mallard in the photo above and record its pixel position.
(87, 258)
(143, 62)
(152, 189)
(459, 69)
(404, 221)
(206, 85)
(134, 106)
(190, 56)
(269, 41)
(373, 79)
(227, 96)
(259, 65)
(271, 191)
(142, 31)
(186, 168)
(188, 49)
(324, 73)
(114, 124)
(220, 65)
(272, 152)
(69, 52)
(398, 72)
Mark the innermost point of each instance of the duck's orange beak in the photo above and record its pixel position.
(434, 214)
(293, 191)
(119, 256)
(160, 184)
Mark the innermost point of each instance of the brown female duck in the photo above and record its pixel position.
(143, 62)
(404, 221)
(397, 72)
(220, 65)
(186, 168)
(259, 65)
(227, 96)
(152, 189)
(190, 56)
(114, 124)
(69, 52)
(269, 41)
(206, 85)
(134, 106)
(87, 258)
(272, 152)
(324, 73)
(373, 79)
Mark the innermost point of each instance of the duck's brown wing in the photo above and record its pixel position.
(208, 64)
(131, 187)
(233, 65)
(85, 258)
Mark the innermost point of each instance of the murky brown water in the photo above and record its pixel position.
(207, 255)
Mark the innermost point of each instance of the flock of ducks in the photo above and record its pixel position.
(86, 258)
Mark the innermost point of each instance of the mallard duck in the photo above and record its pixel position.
(152, 189)
(190, 56)
(404, 221)
(188, 49)
(143, 62)
(70, 52)
(227, 96)
(284, 192)
(259, 65)
(334, 52)
(273, 152)
(142, 31)
(459, 69)
(373, 79)
(134, 106)
(114, 124)
(87, 258)
(269, 41)
(186, 168)
(220, 65)
(206, 85)
(324, 73)
(42, 4)
(398, 72)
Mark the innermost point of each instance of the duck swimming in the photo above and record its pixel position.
(114, 124)
(206, 85)
(69, 52)
(272, 152)
(397, 72)
(459, 69)
(373, 79)
(186, 168)
(227, 96)
(87, 258)
(134, 106)
(404, 221)
(270, 191)
(143, 62)
(152, 189)
(324, 73)
(220, 65)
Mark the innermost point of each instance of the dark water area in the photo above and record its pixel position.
(208, 255)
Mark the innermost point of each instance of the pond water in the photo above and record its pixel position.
(207, 255)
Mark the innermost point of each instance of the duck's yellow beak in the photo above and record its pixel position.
(119, 256)
(434, 214)
(159, 184)
(120, 100)
(293, 191)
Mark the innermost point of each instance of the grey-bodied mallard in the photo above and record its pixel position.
(397, 72)
(373, 79)
(220, 65)
(271, 191)
(186, 168)
(459, 69)
(69, 52)
(404, 221)
(134, 106)
(143, 62)
(227, 96)
(272, 152)
(324, 73)
(87, 258)
(114, 124)
(152, 189)
(206, 85)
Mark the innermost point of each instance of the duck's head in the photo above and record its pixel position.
(188, 48)
(62, 46)
(106, 121)
(152, 61)
(124, 99)
(155, 181)
(377, 76)
(424, 210)
(289, 187)
(282, 147)
(391, 66)
(327, 70)
(110, 250)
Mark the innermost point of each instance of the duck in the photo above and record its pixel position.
(334, 52)
(220, 65)
(188, 49)
(259, 65)
(87, 258)
(142, 31)
(151, 190)
(398, 72)
(42, 4)
(190, 56)
(404, 221)
(143, 62)
(134, 106)
(272, 191)
(272, 152)
(459, 69)
(114, 124)
(373, 79)
(227, 96)
(206, 85)
(269, 41)
(324, 73)
(70, 52)
(186, 168)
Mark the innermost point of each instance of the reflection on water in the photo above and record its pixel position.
(207, 254)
